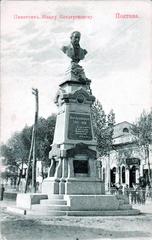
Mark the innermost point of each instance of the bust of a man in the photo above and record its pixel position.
(74, 51)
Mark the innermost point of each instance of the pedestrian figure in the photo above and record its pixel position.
(113, 189)
(2, 189)
(138, 194)
(143, 195)
(150, 192)
(117, 185)
(143, 184)
(126, 191)
(120, 190)
(133, 194)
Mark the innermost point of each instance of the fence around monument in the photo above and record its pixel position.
(136, 196)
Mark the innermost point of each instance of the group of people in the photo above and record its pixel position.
(116, 188)
(137, 194)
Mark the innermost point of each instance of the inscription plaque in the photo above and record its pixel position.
(79, 127)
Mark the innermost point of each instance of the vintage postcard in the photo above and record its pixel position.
(76, 105)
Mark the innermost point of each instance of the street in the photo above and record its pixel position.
(16, 227)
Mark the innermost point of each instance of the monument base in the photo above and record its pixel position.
(73, 186)
(50, 186)
(76, 205)
(92, 202)
(84, 187)
(26, 200)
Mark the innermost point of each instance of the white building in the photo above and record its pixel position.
(127, 161)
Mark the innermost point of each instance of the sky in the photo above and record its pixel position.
(118, 60)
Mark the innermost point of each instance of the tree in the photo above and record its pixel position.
(103, 128)
(16, 151)
(7, 154)
(45, 133)
(20, 144)
(142, 130)
(9, 164)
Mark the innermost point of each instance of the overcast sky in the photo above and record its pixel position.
(118, 60)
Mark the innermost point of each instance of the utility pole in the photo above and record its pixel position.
(35, 93)
(32, 153)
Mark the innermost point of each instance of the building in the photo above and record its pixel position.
(23, 170)
(127, 161)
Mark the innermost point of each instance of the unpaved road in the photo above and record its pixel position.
(15, 227)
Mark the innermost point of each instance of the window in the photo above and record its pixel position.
(113, 175)
(119, 175)
(103, 177)
(123, 175)
(132, 176)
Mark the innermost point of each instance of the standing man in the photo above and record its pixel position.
(2, 189)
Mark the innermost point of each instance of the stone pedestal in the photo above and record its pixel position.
(92, 202)
(82, 186)
(50, 186)
(73, 156)
(73, 185)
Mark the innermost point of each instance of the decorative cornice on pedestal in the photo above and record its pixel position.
(76, 93)
(73, 82)
(65, 97)
(81, 148)
(55, 151)
(59, 93)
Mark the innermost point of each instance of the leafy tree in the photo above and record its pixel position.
(20, 143)
(103, 128)
(142, 129)
(7, 154)
(16, 151)
(45, 133)
(8, 160)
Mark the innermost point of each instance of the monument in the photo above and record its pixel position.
(73, 173)
(73, 186)
(73, 155)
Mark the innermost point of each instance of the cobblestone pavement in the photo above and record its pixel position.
(15, 227)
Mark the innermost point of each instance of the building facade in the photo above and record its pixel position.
(127, 161)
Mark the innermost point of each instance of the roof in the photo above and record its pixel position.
(121, 136)
(123, 122)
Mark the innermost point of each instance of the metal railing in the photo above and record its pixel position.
(135, 196)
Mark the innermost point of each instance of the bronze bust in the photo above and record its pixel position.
(74, 51)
